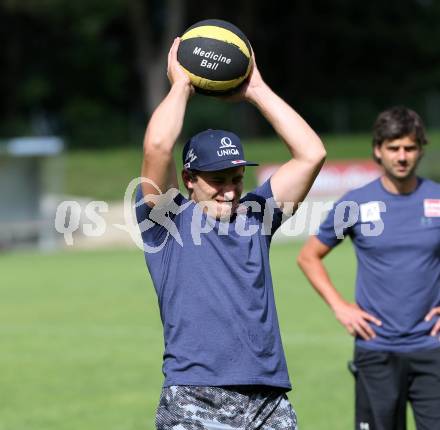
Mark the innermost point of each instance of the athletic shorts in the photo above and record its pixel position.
(224, 408)
(386, 382)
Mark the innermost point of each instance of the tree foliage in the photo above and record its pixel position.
(94, 70)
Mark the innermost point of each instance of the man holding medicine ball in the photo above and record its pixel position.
(224, 363)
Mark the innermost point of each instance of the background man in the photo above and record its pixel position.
(395, 317)
(224, 364)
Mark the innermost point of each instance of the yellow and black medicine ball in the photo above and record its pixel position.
(216, 55)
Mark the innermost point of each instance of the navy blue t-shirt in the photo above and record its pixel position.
(214, 287)
(397, 243)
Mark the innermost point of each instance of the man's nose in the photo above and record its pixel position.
(402, 154)
(229, 193)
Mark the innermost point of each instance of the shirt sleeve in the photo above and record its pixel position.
(337, 225)
(271, 216)
(154, 222)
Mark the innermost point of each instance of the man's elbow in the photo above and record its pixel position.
(302, 258)
(319, 156)
(157, 147)
(306, 256)
(315, 157)
(323, 155)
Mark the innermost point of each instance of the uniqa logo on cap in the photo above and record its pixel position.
(226, 142)
(227, 147)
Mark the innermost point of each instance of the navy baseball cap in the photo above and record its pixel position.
(214, 150)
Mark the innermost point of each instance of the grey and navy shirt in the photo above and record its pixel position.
(397, 243)
(214, 288)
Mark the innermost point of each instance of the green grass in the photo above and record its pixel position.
(81, 341)
(104, 175)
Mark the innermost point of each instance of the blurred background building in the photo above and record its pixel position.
(28, 184)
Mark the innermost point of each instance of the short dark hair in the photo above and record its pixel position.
(398, 122)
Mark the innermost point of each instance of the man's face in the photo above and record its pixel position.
(220, 191)
(399, 157)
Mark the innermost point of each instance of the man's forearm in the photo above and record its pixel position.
(350, 315)
(162, 133)
(316, 273)
(167, 120)
(302, 142)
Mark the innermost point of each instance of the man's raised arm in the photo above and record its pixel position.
(293, 180)
(163, 130)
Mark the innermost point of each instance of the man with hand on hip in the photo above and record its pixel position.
(395, 229)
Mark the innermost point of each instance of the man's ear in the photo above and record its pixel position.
(188, 179)
(377, 154)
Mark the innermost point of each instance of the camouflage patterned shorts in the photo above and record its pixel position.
(221, 408)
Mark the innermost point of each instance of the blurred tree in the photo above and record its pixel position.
(94, 68)
(154, 25)
(69, 63)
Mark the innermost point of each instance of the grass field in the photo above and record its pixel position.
(81, 341)
(104, 175)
